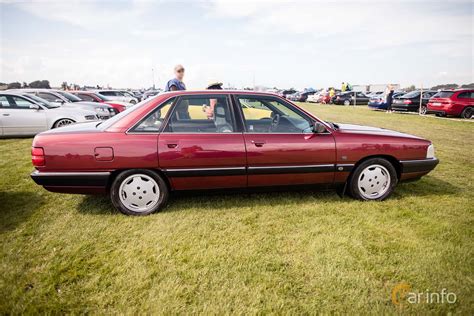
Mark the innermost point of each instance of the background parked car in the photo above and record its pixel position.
(313, 98)
(96, 97)
(347, 98)
(119, 95)
(150, 93)
(378, 102)
(286, 92)
(22, 114)
(410, 102)
(65, 99)
(455, 103)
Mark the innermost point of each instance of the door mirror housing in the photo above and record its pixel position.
(59, 101)
(319, 128)
(35, 107)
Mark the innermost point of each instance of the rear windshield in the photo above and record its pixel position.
(412, 94)
(443, 94)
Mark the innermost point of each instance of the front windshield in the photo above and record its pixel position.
(69, 96)
(41, 101)
(103, 98)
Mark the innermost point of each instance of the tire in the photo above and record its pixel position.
(364, 183)
(467, 113)
(423, 110)
(63, 122)
(133, 102)
(347, 102)
(139, 192)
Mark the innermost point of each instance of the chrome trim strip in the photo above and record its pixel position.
(68, 174)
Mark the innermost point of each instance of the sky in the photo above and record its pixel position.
(130, 44)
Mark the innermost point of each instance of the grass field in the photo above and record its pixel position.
(291, 252)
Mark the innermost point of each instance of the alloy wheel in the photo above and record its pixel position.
(139, 193)
(373, 182)
(64, 122)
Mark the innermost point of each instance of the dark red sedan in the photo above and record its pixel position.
(205, 140)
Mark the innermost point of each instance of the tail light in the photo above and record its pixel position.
(37, 156)
(407, 102)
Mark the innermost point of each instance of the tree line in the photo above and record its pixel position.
(34, 84)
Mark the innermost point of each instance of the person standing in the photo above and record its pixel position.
(176, 83)
(389, 99)
(343, 87)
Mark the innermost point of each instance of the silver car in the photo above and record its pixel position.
(22, 114)
(118, 95)
(66, 99)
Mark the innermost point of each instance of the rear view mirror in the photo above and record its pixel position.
(319, 128)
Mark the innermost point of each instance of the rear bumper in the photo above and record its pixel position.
(419, 166)
(71, 179)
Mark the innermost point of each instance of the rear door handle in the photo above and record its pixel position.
(6, 114)
(172, 145)
(258, 143)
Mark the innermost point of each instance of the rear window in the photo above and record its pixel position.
(412, 94)
(443, 94)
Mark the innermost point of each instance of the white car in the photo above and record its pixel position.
(313, 98)
(66, 99)
(119, 95)
(23, 114)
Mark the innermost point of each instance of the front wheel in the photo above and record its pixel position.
(467, 113)
(139, 192)
(347, 102)
(133, 102)
(374, 179)
(63, 122)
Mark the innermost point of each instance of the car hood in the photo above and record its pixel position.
(118, 102)
(88, 127)
(72, 111)
(368, 130)
(87, 104)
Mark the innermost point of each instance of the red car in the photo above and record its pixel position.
(454, 102)
(95, 97)
(201, 140)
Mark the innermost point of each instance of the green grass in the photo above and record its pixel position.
(291, 252)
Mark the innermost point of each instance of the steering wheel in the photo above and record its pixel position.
(275, 122)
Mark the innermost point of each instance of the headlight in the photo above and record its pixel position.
(90, 117)
(430, 153)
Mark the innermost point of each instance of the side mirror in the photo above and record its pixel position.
(59, 101)
(34, 106)
(319, 128)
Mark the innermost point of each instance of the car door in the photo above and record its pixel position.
(22, 117)
(282, 148)
(201, 147)
(3, 112)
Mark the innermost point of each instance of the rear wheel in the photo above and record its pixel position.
(467, 113)
(139, 192)
(423, 110)
(374, 179)
(133, 101)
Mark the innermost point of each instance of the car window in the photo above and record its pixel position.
(69, 96)
(153, 121)
(48, 96)
(108, 93)
(86, 97)
(41, 101)
(412, 94)
(466, 95)
(4, 102)
(21, 103)
(264, 115)
(444, 94)
(206, 114)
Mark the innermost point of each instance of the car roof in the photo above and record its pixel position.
(201, 92)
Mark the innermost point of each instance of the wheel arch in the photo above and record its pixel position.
(61, 118)
(159, 172)
(394, 161)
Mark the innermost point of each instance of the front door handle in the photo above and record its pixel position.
(172, 145)
(258, 143)
(6, 114)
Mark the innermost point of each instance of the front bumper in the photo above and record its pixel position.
(419, 166)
